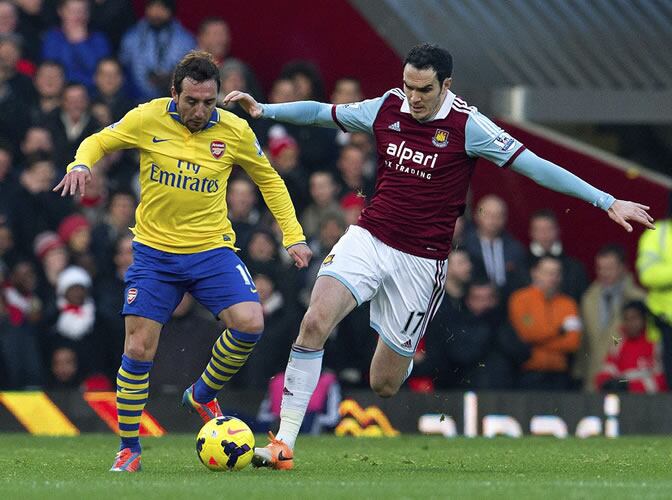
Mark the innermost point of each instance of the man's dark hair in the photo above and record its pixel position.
(638, 306)
(428, 56)
(536, 262)
(545, 213)
(612, 249)
(310, 71)
(198, 66)
(208, 21)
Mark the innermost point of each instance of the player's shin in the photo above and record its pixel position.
(229, 354)
(132, 394)
(301, 377)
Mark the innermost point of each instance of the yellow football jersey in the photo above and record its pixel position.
(183, 176)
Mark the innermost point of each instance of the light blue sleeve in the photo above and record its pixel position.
(554, 177)
(355, 117)
(486, 140)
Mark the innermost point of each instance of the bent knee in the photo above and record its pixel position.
(384, 388)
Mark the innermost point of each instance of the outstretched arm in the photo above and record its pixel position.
(554, 177)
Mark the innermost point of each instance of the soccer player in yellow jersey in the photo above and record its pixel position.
(183, 239)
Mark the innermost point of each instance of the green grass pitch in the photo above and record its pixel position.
(330, 467)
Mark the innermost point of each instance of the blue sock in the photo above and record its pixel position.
(132, 394)
(229, 354)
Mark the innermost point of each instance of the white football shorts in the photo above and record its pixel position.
(405, 291)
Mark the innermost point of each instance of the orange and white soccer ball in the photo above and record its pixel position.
(225, 443)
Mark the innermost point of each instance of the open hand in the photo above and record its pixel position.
(622, 211)
(73, 181)
(246, 101)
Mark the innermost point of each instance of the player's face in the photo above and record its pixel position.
(196, 102)
(424, 92)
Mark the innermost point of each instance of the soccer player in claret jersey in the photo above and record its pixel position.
(183, 238)
(427, 140)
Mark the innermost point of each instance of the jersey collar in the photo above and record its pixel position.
(172, 111)
(443, 112)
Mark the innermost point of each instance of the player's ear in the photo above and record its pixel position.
(446, 83)
(173, 92)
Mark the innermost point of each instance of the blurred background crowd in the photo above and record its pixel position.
(515, 315)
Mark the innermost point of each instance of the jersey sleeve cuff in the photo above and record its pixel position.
(514, 156)
(605, 201)
(335, 118)
(78, 166)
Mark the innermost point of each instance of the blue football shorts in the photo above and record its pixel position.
(157, 281)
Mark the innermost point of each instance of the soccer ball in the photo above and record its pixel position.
(225, 443)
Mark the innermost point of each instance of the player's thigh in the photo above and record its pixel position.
(220, 282)
(142, 337)
(154, 284)
(408, 297)
(388, 369)
(330, 302)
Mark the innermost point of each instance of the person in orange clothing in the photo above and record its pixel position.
(634, 363)
(548, 321)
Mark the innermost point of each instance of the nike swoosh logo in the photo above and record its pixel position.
(282, 458)
(155, 140)
(234, 432)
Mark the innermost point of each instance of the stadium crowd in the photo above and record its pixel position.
(512, 318)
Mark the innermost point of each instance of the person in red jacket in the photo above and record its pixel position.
(633, 363)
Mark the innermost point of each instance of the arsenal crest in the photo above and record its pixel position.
(131, 295)
(217, 149)
(440, 139)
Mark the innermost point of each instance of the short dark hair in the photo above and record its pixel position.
(638, 306)
(545, 213)
(612, 249)
(427, 55)
(536, 262)
(198, 66)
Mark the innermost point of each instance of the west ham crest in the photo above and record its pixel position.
(440, 139)
(217, 149)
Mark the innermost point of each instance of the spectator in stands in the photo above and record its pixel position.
(600, 310)
(109, 80)
(36, 140)
(73, 46)
(364, 142)
(153, 47)
(116, 223)
(283, 90)
(284, 156)
(75, 232)
(112, 17)
(241, 200)
(8, 255)
(214, 36)
(548, 321)
(350, 166)
(71, 123)
(49, 83)
(64, 368)
(53, 257)
(9, 184)
(323, 196)
(280, 319)
(347, 90)
(109, 296)
(494, 252)
(633, 363)
(472, 346)
(654, 265)
(318, 145)
(35, 207)
(332, 227)
(31, 24)
(234, 75)
(307, 80)
(16, 92)
(20, 313)
(352, 205)
(545, 240)
(458, 276)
